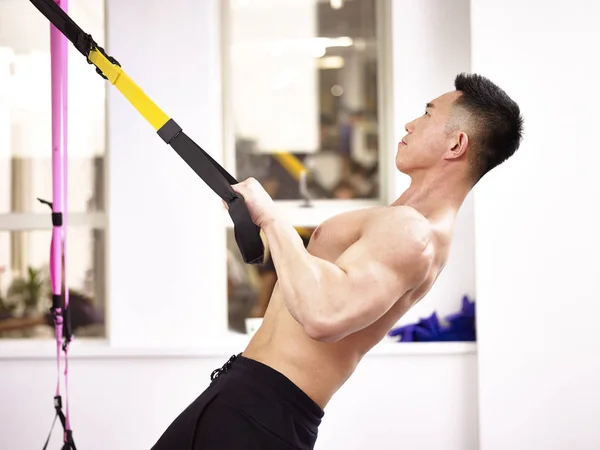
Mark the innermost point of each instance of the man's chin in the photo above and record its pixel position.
(401, 165)
(404, 168)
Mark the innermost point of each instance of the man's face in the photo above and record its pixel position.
(427, 137)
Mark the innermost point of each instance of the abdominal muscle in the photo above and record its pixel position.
(318, 368)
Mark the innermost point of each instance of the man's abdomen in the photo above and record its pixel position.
(318, 368)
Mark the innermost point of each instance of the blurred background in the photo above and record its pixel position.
(304, 80)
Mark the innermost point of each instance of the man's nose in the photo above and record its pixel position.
(409, 127)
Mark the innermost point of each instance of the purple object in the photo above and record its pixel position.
(461, 327)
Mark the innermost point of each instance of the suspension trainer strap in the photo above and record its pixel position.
(58, 273)
(247, 234)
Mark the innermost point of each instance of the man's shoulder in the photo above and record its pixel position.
(402, 223)
(402, 240)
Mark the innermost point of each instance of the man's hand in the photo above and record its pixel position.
(260, 205)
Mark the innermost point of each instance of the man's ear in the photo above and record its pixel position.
(457, 145)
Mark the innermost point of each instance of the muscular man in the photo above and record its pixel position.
(361, 271)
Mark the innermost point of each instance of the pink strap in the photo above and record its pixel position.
(58, 247)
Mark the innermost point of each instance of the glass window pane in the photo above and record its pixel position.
(249, 287)
(22, 181)
(303, 79)
(25, 111)
(25, 282)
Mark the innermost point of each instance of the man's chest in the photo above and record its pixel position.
(335, 235)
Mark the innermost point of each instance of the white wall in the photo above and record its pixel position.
(167, 257)
(125, 402)
(537, 222)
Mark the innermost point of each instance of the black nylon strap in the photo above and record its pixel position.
(68, 332)
(247, 234)
(50, 433)
(67, 26)
(215, 176)
(56, 302)
(69, 443)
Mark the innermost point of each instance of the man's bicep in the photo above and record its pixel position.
(369, 265)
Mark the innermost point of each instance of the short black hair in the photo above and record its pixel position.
(496, 120)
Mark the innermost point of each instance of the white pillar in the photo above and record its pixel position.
(537, 222)
(157, 205)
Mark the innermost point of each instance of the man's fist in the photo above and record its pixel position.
(259, 202)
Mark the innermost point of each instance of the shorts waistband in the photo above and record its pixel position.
(274, 379)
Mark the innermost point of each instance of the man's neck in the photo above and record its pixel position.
(435, 195)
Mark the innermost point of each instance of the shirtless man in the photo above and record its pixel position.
(361, 272)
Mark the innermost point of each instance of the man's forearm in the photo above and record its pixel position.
(305, 281)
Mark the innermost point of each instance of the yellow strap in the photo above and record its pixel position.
(290, 163)
(153, 114)
(304, 232)
(129, 89)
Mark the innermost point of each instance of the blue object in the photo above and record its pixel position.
(461, 327)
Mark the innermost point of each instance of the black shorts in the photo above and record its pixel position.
(248, 406)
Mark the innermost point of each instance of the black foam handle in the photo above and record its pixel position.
(247, 234)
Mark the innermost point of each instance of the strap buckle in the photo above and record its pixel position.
(107, 56)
